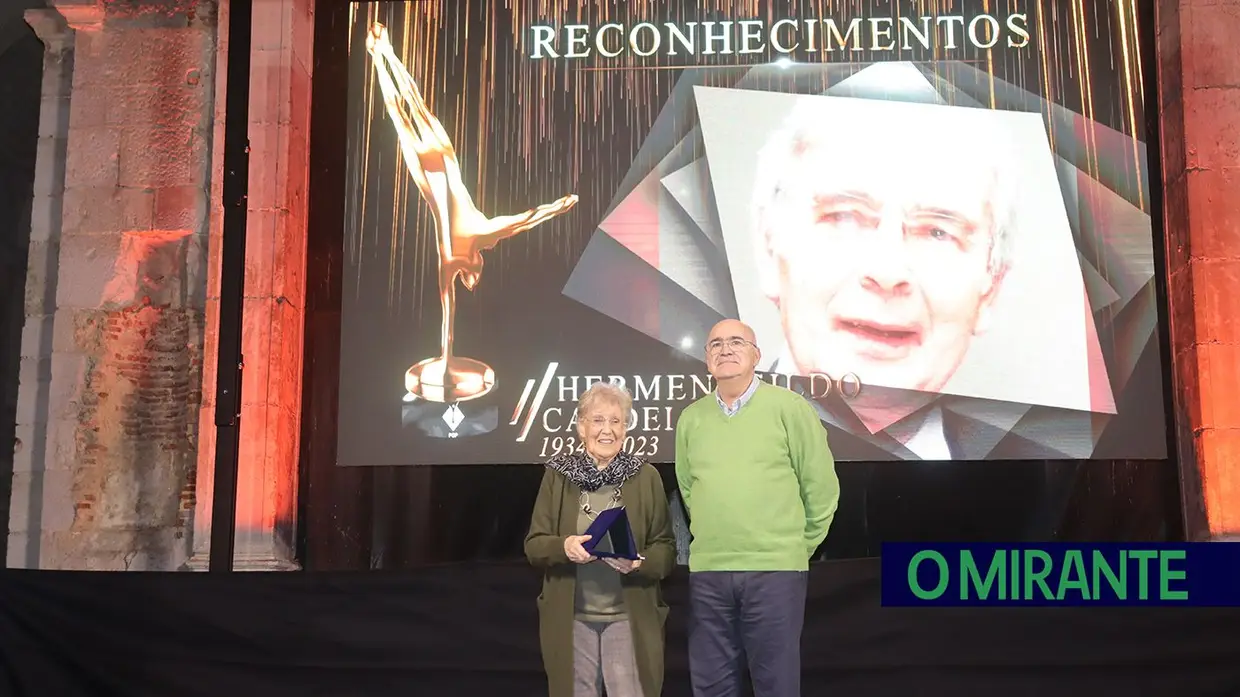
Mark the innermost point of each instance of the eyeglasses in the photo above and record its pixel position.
(734, 343)
(599, 422)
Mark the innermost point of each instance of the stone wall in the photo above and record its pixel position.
(112, 349)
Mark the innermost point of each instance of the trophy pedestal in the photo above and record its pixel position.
(449, 379)
(437, 390)
(455, 420)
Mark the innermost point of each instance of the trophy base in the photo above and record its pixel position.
(456, 420)
(449, 380)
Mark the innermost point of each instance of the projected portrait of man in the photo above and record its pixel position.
(883, 252)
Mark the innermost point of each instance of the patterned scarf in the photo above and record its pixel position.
(580, 469)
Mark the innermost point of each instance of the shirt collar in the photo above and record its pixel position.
(730, 410)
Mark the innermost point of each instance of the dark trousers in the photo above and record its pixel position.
(755, 616)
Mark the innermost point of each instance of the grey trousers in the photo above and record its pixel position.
(603, 655)
(752, 617)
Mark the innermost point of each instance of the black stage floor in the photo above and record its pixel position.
(470, 630)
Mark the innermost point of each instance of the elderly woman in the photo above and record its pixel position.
(601, 620)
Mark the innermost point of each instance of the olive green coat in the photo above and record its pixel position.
(554, 518)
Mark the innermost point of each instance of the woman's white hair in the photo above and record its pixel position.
(605, 393)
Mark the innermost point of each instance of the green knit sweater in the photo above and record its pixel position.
(760, 486)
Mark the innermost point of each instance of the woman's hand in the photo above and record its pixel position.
(574, 551)
(624, 566)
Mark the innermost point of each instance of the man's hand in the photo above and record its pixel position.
(623, 566)
(574, 551)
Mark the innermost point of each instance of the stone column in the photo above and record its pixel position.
(279, 131)
(1199, 85)
(120, 393)
(27, 519)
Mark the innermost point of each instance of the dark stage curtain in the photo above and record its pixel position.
(470, 630)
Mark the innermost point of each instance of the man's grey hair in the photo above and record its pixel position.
(809, 125)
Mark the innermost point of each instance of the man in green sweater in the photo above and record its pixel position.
(759, 484)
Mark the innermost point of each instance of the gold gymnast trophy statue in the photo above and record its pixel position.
(464, 232)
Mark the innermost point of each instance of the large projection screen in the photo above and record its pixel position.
(938, 225)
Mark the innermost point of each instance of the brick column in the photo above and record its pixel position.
(279, 134)
(1199, 84)
(118, 263)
